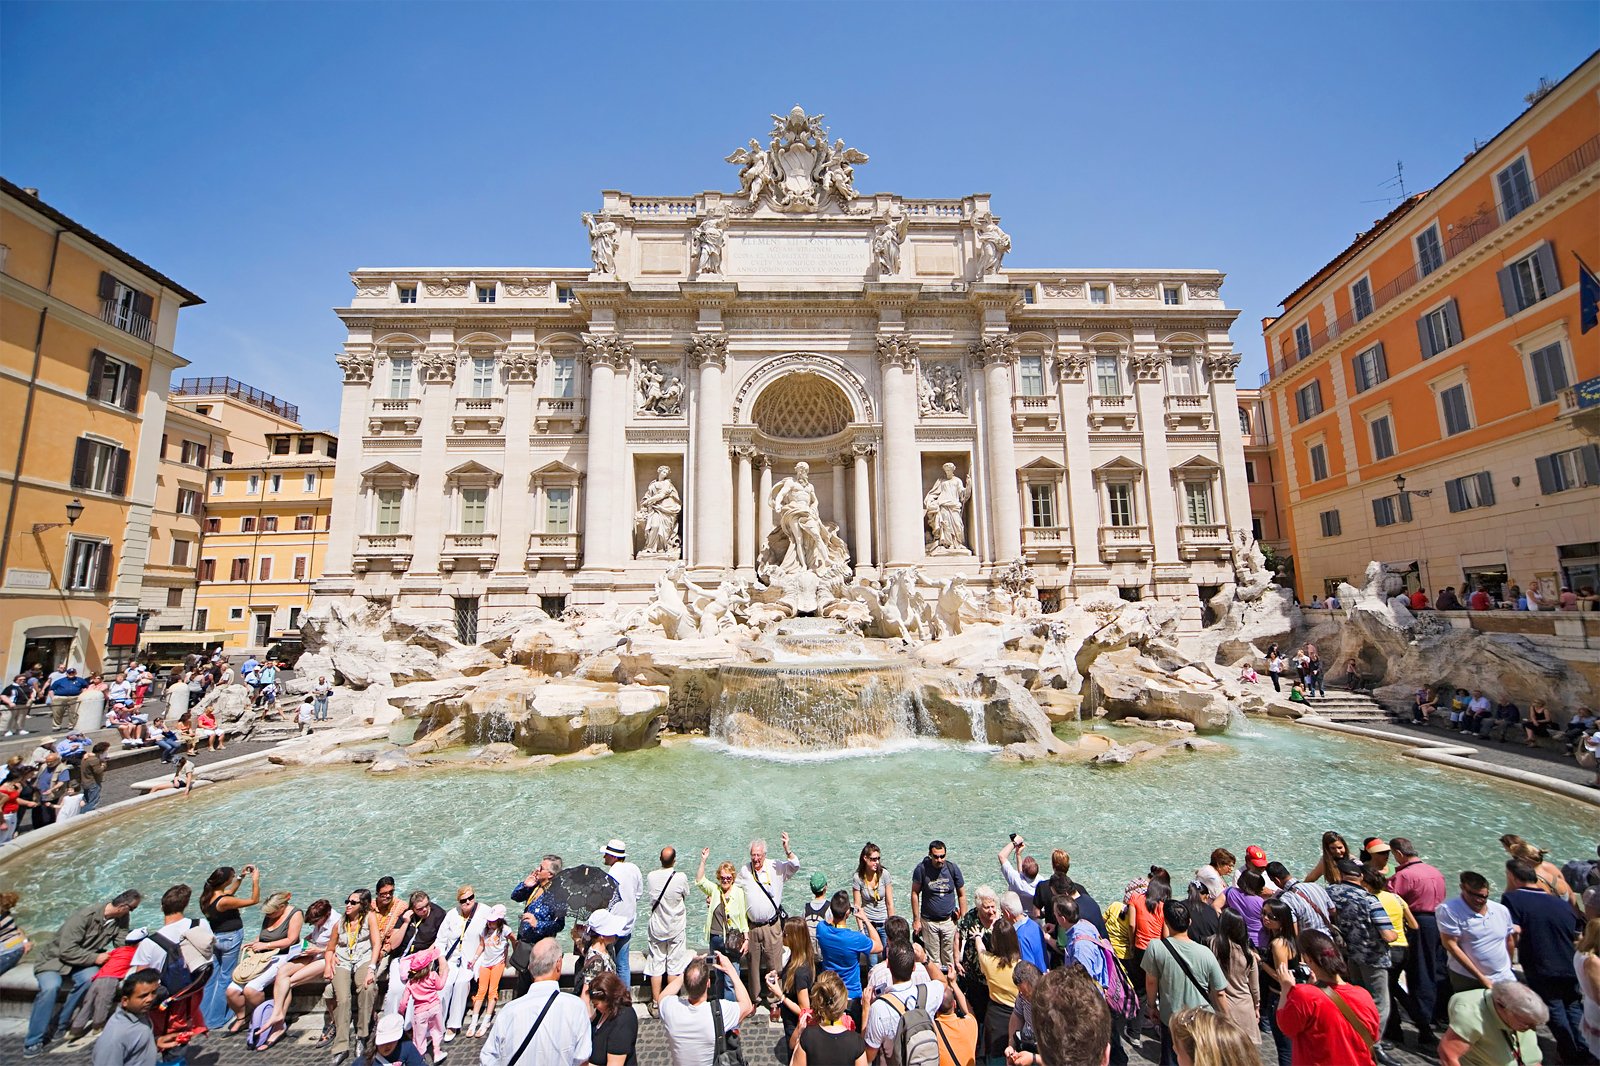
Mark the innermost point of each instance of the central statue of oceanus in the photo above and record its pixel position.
(800, 542)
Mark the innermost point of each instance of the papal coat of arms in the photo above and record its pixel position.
(799, 169)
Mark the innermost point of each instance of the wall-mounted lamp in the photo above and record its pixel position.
(1400, 486)
(74, 511)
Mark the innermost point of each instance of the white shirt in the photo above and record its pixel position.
(563, 1037)
(625, 898)
(774, 872)
(670, 920)
(878, 977)
(691, 1034)
(1022, 886)
(153, 955)
(883, 1021)
(465, 932)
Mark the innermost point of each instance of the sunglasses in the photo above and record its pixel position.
(352, 903)
(465, 899)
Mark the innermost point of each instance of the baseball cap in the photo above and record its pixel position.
(1254, 856)
(1349, 868)
(819, 881)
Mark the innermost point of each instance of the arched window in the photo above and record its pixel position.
(1244, 421)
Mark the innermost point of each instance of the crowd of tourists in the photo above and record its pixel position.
(1370, 949)
(1507, 597)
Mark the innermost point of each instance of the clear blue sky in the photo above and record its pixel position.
(258, 152)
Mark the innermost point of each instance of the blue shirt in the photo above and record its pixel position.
(549, 914)
(841, 951)
(1030, 938)
(938, 889)
(69, 686)
(1084, 949)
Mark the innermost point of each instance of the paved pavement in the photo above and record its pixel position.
(299, 1048)
(1544, 759)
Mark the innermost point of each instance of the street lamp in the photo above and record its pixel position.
(74, 511)
(1400, 486)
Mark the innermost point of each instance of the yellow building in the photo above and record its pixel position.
(86, 336)
(265, 538)
(211, 422)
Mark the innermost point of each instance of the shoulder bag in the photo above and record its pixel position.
(1178, 957)
(1350, 1016)
(536, 1023)
(782, 915)
(725, 1046)
(663, 893)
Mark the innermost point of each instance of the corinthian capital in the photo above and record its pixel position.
(1073, 364)
(1224, 365)
(896, 349)
(521, 366)
(707, 349)
(357, 367)
(438, 368)
(607, 349)
(1001, 348)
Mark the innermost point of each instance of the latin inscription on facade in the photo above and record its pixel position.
(793, 256)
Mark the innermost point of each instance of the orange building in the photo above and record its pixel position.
(86, 335)
(1421, 383)
(1261, 473)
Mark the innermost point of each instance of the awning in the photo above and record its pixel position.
(182, 636)
(1402, 567)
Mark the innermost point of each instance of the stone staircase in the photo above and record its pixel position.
(1342, 706)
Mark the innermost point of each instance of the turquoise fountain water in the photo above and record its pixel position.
(322, 832)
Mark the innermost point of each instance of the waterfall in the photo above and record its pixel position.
(813, 706)
(965, 693)
(493, 725)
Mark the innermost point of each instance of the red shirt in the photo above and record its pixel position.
(1479, 600)
(1419, 600)
(1317, 1031)
(1420, 885)
(8, 797)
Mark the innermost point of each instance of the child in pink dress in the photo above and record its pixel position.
(423, 993)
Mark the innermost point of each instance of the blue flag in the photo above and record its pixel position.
(1588, 297)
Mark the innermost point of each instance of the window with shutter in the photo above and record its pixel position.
(1318, 456)
(1516, 189)
(1430, 252)
(1370, 368)
(1549, 366)
(558, 510)
(299, 567)
(97, 370)
(1031, 368)
(1302, 340)
(239, 570)
(1361, 299)
(1483, 484)
(264, 570)
(208, 570)
(474, 510)
(1331, 526)
(1453, 404)
(132, 379)
(1382, 437)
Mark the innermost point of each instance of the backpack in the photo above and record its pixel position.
(1120, 996)
(917, 1042)
(176, 976)
(725, 1049)
(256, 1035)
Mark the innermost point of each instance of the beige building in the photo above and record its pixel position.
(212, 423)
(536, 436)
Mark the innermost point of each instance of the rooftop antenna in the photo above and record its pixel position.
(1398, 181)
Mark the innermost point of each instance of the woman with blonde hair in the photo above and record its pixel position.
(793, 985)
(1549, 873)
(1201, 1037)
(727, 921)
(825, 1035)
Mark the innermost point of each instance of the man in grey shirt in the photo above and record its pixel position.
(127, 1039)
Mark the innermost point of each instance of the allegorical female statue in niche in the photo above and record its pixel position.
(658, 515)
(943, 505)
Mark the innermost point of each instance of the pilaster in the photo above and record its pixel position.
(997, 354)
(902, 480)
(711, 492)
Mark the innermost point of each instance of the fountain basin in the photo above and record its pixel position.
(814, 704)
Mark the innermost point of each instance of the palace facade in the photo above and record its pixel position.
(507, 433)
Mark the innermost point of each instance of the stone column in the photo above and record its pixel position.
(517, 497)
(745, 558)
(763, 512)
(430, 523)
(902, 477)
(1161, 511)
(1082, 509)
(712, 489)
(861, 519)
(604, 534)
(356, 362)
(997, 354)
(838, 463)
(1234, 503)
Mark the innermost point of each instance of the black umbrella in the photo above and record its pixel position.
(586, 888)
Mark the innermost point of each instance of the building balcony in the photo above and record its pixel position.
(553, 550)
(1191, 412)
(384, 550)
(1255, 440)
(403, 414)
(565, 411)
(1126, 543)
(1112, 412)
(469, 551)
(127, 320)
(1580, 407)
(480, 413)
(1195, 542)
(1053, 543)
(1036, 412)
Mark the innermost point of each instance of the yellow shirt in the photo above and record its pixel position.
(1002, 988)
(1397, 915)
(1121, 935)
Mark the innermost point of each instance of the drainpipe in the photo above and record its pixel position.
(27, 408)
